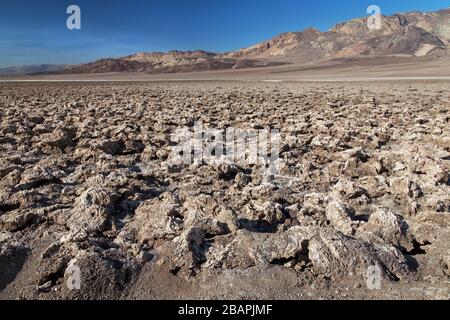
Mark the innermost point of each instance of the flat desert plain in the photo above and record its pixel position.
(92, 207)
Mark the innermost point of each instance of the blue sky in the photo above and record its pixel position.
(34, 31)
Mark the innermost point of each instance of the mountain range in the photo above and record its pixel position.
(30, 69)
(406, 35)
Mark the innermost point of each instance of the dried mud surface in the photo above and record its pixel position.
(85, 180)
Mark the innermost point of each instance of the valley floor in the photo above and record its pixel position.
(359, 206)
(367, 69)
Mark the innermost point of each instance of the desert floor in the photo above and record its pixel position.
(360, 206)
(393, 68)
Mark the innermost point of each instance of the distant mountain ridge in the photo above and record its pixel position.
(30, 69)
(170, 62)
(412, 34)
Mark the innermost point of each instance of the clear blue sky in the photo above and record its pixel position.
(34, 31)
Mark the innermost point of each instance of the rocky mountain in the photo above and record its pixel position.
(413, 34)
(170, 62)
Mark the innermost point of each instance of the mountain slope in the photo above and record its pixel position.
(411, 34)
(173, 61)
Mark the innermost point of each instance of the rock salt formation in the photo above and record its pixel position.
(87, 181)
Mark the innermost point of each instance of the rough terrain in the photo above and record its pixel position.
(86, 180)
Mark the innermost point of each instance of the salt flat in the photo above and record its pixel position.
(358, 209)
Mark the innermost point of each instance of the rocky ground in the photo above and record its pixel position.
(86, 180)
